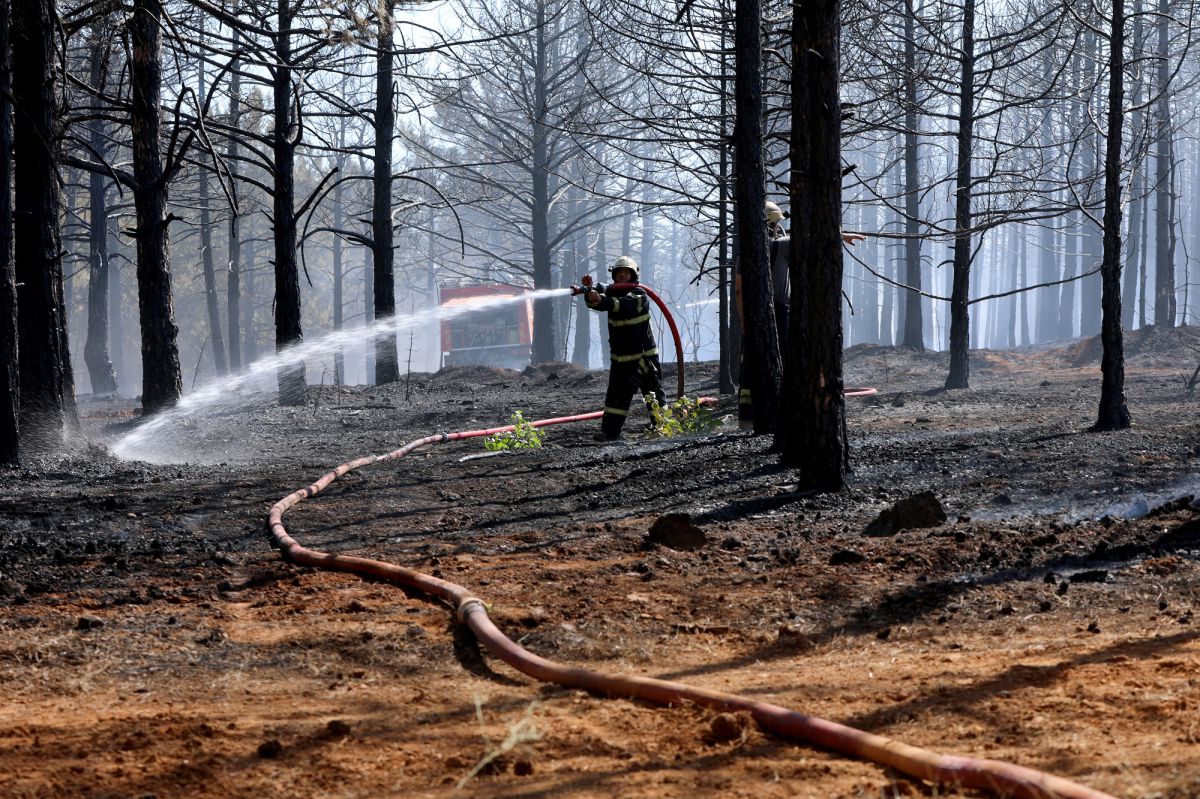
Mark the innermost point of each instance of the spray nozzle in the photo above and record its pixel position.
(586, 285)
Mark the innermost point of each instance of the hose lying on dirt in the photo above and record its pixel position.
(1001, 778)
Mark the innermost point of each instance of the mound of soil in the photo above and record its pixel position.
(1174, 347)
(154, 644)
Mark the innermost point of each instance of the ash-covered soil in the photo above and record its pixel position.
(154, 644)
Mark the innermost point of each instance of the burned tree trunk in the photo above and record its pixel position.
(1090, 289)
(1045, 325)
(95, 346)
(763, 357)
(43, 358)
(960, 320)
(339, 357)
(249, 298)
(161, 381)
(1137, 203)
(287, 272)
(811, 433)
(1114, 413)
(233, 276)
(211, 300)
(387, 367)
(10, 448)
(1164, 250)
(914, 323)
(729, 342)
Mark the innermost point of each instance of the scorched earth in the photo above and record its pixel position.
(154, 644)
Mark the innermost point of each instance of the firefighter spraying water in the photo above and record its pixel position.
(635, 365)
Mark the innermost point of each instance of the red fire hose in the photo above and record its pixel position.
(674, 333)
(1001, 778)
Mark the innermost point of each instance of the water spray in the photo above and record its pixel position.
(146, 441)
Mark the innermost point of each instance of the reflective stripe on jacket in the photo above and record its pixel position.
(629, 333)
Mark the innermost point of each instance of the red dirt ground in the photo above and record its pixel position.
(154, 645)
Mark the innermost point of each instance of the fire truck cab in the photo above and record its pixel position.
(500, 335)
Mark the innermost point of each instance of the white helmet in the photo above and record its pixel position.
(625, 262)
(774, 213)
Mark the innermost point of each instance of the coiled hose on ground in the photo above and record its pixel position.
(1004, 779)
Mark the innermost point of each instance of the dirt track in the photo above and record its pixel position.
(154, 644)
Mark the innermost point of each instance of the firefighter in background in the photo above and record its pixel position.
(779, 244)
(635, 365)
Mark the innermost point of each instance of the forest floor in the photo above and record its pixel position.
(154, 644)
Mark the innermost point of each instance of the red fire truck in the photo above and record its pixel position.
(501, 335)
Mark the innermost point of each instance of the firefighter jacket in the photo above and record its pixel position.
(777, 252)
(629, 335)
(780, 277)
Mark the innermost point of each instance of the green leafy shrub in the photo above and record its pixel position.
(523, 436)
(681, 417)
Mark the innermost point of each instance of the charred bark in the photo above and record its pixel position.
(287, 272)
(1076, 120)
(729, 348)
(761, 347)
(1164, 229)
(960, 320)
(368, 318)
(1137, 203)
(1090, 289)
(339, 357)
(1046, 326)
(10, 398)
(43, 357)
(914, 323)
(387, 368)
(249, 298)
(162, 384)
(95, 346)
(1114, 413)
(812, 428)
(116, 319)
(233, 274)
(211, 300)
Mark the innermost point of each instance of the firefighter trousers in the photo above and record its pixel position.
(746, 376)
(625, 379)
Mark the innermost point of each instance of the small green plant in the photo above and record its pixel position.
(681, 417)
(523, 436)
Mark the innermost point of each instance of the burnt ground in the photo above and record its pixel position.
(154, 644)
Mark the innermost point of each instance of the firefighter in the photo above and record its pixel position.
(779, 243)
(635, 365)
